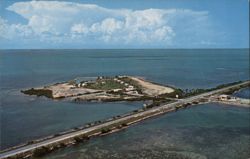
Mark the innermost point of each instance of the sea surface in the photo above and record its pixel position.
(208, 131)
(24, 118)
(243, 93)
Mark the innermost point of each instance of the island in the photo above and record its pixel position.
(106, 89)
(126, 88)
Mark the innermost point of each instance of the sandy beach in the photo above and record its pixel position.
(151, 88)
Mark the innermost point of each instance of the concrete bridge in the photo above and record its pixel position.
(27, 150)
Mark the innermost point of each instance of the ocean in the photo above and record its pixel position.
(208, 131)
(24, 118)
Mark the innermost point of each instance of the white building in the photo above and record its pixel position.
(132, 87)
(129, 89)
(224, 97)
(83, 84)
(117, 90)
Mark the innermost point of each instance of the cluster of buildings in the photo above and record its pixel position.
(233, 100)
(225, 97)
(129, 89)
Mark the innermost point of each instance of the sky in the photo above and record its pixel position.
(80, 24)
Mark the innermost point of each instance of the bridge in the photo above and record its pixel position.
(27, 150)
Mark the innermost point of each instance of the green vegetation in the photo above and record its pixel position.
(121, 98)
(178, 92)
(79, 139)
(231, 90)
(30, 142)
(133, 83)
(105, 84)
(124, 124)
(227, 84)
(105, 130)
(62, 145)
(200, 91)
(192, 92)
(156, 102)
(72, 82)
(41, 151)
(38, 92)
(56, 135)
(177, 107)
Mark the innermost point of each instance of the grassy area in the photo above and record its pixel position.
(133, 83)
(105, 84)
(178, 92)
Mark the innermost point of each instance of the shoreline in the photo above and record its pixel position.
(122, 122)
(116, 88)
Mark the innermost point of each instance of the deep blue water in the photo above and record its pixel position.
(24, 118)
(181, 68)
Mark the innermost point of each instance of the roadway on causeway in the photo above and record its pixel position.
(161, 108)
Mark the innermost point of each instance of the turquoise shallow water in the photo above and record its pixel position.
(209, 131)
(24, 118)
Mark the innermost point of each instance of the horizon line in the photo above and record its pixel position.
(118, 48)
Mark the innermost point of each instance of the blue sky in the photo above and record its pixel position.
(124, 24)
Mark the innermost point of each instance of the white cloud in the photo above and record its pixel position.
(3, 28)
(107, 26)
(79, 28)
(9, 31)
(67, 22)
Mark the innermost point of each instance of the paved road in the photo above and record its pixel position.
(142, 114)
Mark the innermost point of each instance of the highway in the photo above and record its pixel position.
(149, 112)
